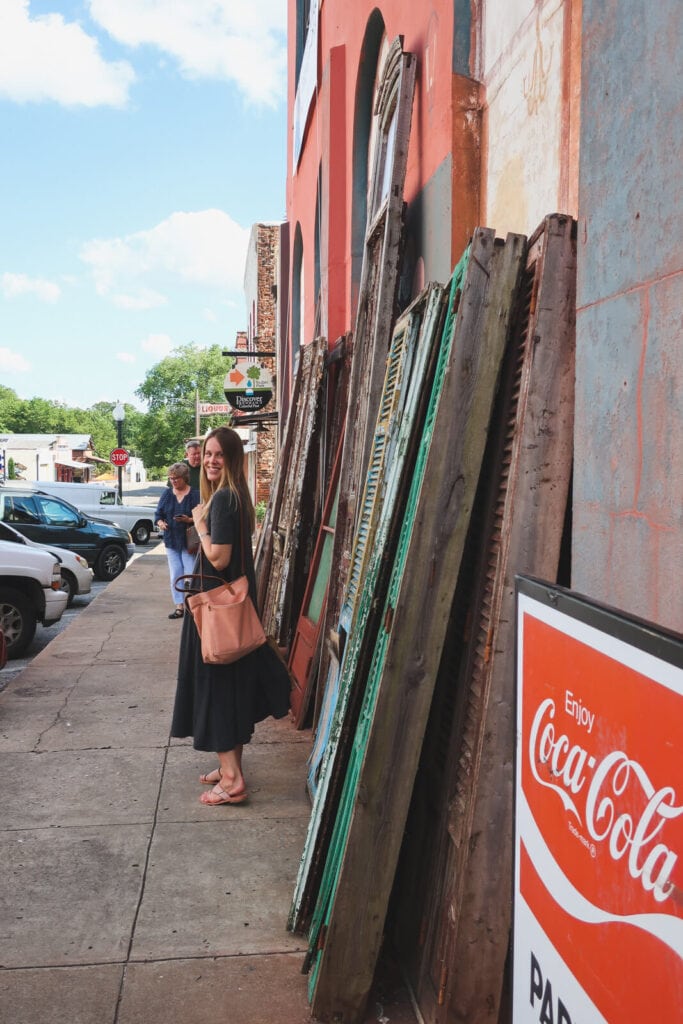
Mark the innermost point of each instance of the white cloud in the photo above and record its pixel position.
(12, 362)
(157, 345)
(14, 285)
(226, 39)
(206, 249)
(126, 357)
(48, 58)
(210, 316)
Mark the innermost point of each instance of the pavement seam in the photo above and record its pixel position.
(152, 832)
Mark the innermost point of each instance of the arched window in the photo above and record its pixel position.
(297, 296)
(363, 133)
(303, 10)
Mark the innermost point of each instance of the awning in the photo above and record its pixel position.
(73, 465)
(94, 458)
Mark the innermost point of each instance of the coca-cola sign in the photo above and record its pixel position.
(599, 815)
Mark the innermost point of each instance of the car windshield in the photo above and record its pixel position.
(57, 512)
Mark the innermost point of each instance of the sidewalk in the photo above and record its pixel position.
(123, 900)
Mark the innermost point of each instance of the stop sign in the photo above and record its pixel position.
(118, 456)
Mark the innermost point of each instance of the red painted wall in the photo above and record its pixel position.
(427, 30)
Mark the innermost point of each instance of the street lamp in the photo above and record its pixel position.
(119, 414)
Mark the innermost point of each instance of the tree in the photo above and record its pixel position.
(170, 389)
(9, 405)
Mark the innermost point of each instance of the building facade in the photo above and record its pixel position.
(521, 109)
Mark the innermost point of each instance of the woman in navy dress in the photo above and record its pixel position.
(218, 705)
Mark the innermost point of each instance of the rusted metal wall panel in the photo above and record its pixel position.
(628, 472)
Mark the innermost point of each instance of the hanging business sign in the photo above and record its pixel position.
(248, 386)
(213, 408)
(598, 898)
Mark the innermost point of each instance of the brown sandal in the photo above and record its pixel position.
(218, 796)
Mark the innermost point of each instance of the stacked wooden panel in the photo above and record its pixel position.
(282, 567)
(406, 388)
(457, 858)
(349, 917)
(376, 312)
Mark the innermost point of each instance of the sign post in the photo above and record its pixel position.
(598, 891)
(119, 457)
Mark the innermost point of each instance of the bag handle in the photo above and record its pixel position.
(197, 576)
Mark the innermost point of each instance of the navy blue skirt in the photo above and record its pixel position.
(219, 705)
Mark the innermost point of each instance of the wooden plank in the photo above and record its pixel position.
(533, 493)
(287, 530)
(350, 917)
(305, 646)
(375, 313)
(264, 548)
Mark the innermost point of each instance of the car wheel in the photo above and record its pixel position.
(111, 563)
(17, 620)
(69, 586)
(141, 532)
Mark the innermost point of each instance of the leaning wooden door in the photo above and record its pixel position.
(307, 636)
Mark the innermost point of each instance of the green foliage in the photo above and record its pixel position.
(260, 511)
(254, 372)
(11, 469)
(170, 389)
(158, 436)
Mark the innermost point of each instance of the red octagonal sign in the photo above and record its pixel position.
(118, 456)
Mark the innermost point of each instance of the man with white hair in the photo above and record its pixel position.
(193, 459)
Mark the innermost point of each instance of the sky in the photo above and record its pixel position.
(139, 142)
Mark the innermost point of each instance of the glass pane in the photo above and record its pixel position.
(57, 513)
(21, 510)
(332, 521)
(388, 156)
(320, 586)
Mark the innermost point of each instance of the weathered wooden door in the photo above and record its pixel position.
(308, 629)
(376, 301)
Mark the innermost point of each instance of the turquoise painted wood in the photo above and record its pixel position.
(333, 860)
(412, 343)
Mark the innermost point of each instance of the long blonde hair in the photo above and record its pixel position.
(232, 475)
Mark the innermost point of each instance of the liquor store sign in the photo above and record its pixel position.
(248, 386)
(598, 897)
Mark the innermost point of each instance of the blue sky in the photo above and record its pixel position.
(139, 141)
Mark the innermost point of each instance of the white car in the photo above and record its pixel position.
(77, 576)
(30, 592)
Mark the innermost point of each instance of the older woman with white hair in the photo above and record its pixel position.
(173, 516)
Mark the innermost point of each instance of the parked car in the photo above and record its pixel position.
(103, 502)
(30, 592)
(76, 573)
(53, 521)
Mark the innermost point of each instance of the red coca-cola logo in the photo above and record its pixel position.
(611, 798)
(600, 818)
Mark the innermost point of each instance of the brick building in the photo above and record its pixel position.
(260, 291)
